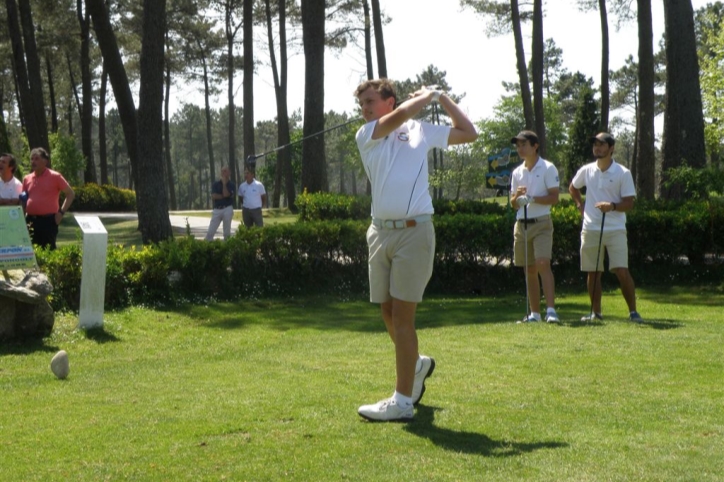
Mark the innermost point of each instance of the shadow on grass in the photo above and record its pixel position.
(662, 324)
(26, 347)
(469, 442)
(674, 295)
(653, 324)
(100, 335)
(357, 314)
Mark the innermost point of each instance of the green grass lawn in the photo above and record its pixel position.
(120, 231)
(268, 390)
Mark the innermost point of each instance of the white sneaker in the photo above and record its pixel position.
(529, 319)
(552, 317)
(592, 317)
(426, 369)
(386, 411)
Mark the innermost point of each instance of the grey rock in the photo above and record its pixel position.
(33, 288)
(60, 365)
(24, 308)
(7, 318)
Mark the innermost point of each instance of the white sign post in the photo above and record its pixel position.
(93, 276)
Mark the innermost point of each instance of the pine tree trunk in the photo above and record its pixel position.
(314, 165)
(152, 202)
(522, 68)
(248, 12)
(646, 155)
(102, 150)
(119, 81)
(605, 91)
(379, 39)
(34, 78)
(683, 119)
(537, 61)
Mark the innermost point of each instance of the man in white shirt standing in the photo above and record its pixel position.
(252, 196)
(10, 186)
(534, 184)
(401, 238)
(610, 191)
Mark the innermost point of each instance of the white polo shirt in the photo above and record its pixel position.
(10, 189)
(251, 194)
(537, 181)
(612, 185)
(396, 166)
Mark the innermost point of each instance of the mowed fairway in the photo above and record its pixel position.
(268, 390)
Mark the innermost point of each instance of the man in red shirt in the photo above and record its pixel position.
(43, 187)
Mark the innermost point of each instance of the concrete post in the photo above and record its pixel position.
(93, 277)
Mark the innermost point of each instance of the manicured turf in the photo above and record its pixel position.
(268, 390)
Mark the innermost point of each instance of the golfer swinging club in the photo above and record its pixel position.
(401, 238)
(534, 189)
(609, 190)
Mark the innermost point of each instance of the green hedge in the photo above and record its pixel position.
(327, 206)
(106, 198)
(472, 255)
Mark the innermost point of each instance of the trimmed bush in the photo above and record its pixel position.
(328, 206)
(667, 243)
(106, 198)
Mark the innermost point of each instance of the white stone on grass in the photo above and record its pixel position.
(59, 365)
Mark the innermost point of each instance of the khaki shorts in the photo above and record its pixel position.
(540, 241)
(615, 245)
(400, 262)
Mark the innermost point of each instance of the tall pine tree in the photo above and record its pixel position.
(586, 123)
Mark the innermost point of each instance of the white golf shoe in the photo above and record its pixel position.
(591, 317)
(386, 411)
(427, 366)
(552, 317)
(532, 318)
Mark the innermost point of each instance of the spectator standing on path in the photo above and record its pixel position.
(222, 193)
(401, 238)
(534, 184)
(43, 187)
(10, 186)
(252, 196)
(610, 190)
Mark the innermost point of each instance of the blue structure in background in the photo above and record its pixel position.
(499, 168)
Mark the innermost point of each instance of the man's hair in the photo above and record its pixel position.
(42, 153)
(529, 136)
(12, 164)
(385, 87)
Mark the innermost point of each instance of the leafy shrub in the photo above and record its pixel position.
(328, 206)
(66, 158)
(473, 254)
(106, 198)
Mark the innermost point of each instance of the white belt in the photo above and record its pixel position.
(401, 223)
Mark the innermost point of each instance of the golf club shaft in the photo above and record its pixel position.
(598, 257)
(525, 239)
(279, 148)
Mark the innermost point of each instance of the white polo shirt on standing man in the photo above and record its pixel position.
(537, 181)
(388, 162)
(10, 189)
(251, 194)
